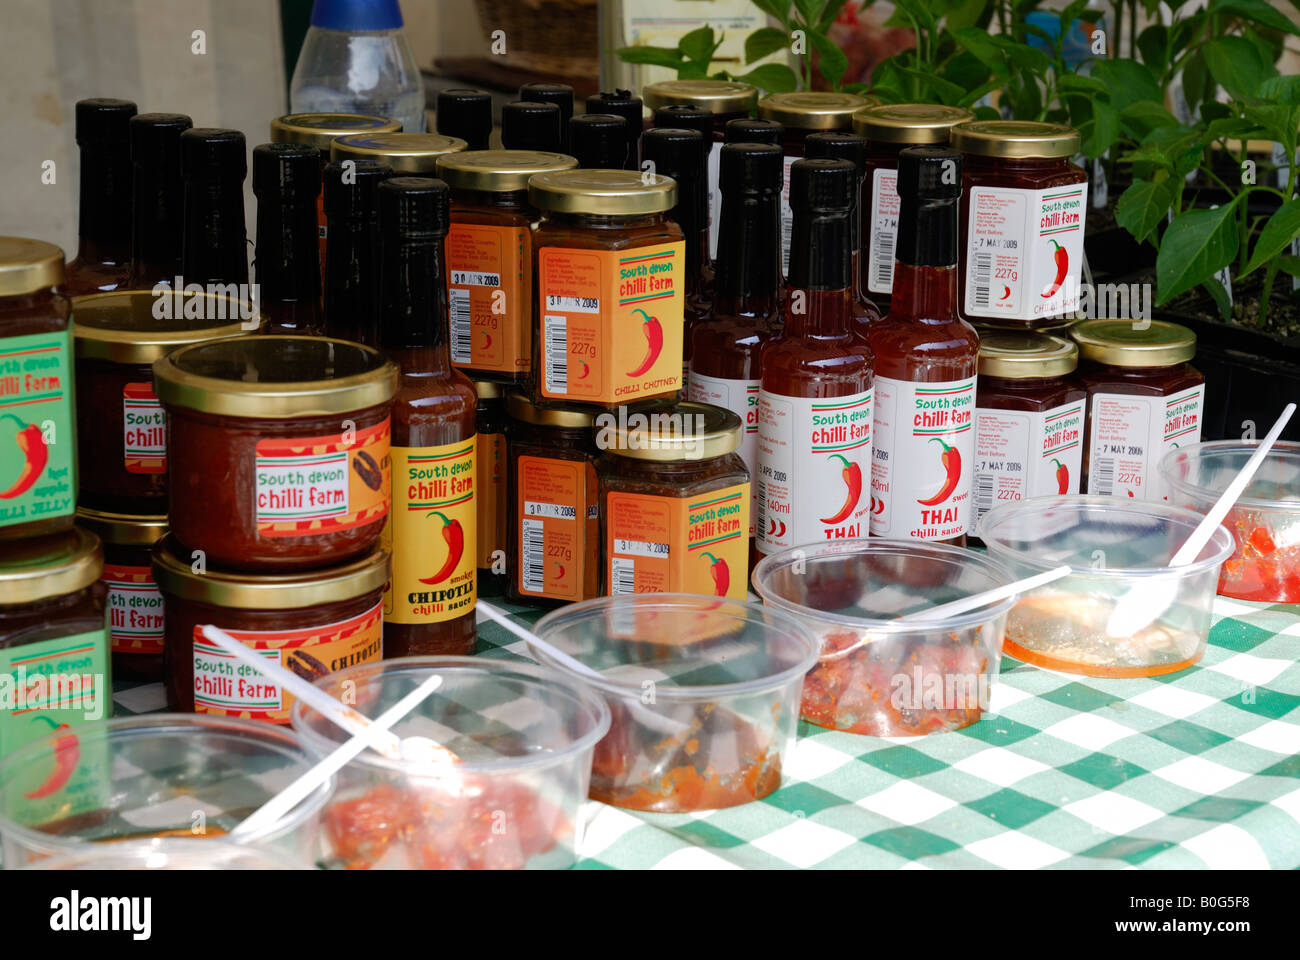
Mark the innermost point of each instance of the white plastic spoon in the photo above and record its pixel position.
(1139, 606)
(391, 746)
(370, 735)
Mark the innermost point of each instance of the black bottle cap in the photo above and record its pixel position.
(621, 103)
(753, 131)
(822, 185)
(530, 125)
(466, 114)
(357, 196)
(155, 138)
(822, 194)
(685, 117)
(598, 140)
(929, 186)
(102, 121)
(750, 167)
(286, 170)
(675, 152)
(413, 208)
(837, 146)
(211, 154)
(560, 94)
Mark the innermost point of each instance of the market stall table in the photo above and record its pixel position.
(1199, 768)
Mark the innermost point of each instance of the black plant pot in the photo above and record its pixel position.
(1115, 257)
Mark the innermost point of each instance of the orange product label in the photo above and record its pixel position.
(322, 484)
(555, 502)
(491, 512)
(611, 322)
(227, 687)
(432, 534)
(489, 296)
(135, 609)
(144, 430)
(697, 544)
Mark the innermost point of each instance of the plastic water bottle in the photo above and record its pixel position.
(355, 59)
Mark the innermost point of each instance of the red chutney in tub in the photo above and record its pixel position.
(278, 449)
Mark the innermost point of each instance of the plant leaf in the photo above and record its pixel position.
(935, 87)
(1143, 116)
(698, 45)
(981, 46)
(918, 10)
(1127, 81)
(1281, 90)
(965, 13)
(1219, 294)
(659, 56)
(1196, 245)
(1143, 206)
(1236, 64)
(1289, 265)
(777, 9)
(1258, 11)
(770, 77)
(1197, 85)
(764, 42)
(810, 10)
(1102, 131)
(1022, 54)
(966, 70)
(831, 60)
(1151, 44)
(1281, 229)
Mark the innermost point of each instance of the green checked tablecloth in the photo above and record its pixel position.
(1196, 769)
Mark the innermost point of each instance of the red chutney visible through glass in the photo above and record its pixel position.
(108, 485)
(1025, 393)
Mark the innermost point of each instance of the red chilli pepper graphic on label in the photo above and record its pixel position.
(454, 535)
(1062, 258)
(852, 474)
(32, 445)
(721, 575)
(560, 567)
(67, 751)
(654, 336)
(951, 459)
(1062, 476)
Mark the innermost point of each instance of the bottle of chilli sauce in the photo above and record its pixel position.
(728, 341)
(815, 402)
(429, 604)
(926, 360)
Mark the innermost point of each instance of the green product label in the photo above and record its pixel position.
(38, 446)
(47, 687)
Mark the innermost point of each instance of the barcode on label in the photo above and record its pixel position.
(573, 304)
(983, 494)
(760, 509)
(622, 575)
(557, 511)
(982, 275)
(640, 548)
(557, 354)
(787, 224)
(534, 564)
(461, 335)
(882, 260)
(1104, 471)
(471, 278)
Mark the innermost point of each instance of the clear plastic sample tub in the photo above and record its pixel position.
(171, 853)
(524, 736)
(1112, 547)
(704, 694)
(1265, 521)
(877, 675)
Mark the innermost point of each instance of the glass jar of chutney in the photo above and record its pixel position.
(491, 488)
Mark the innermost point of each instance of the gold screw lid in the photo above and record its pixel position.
(547, 414)
(174, 573)
(813, 110)
(1022, 356)
(45, 567)
(122, 529)
(28, 265)
(919, 123)
(319, 130)
(1134, 343)
(602, 192)
(716, 96)
(670, 432)
(415, 153)
(487, 389)
(498, 171)
(275, 377)
(122, 327)
(1015, 139)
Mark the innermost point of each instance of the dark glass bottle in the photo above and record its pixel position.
(530, 125)
(815, 404)
(352, 254)
(432, 522)
(621, 103)
(104, 218)
(213, 167)
(466, 114)
(598, 141)
(158, 198)
(745, 313)
(560, 94)
(926, 361)
(286, 182)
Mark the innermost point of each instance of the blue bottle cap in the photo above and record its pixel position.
(356, 14)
